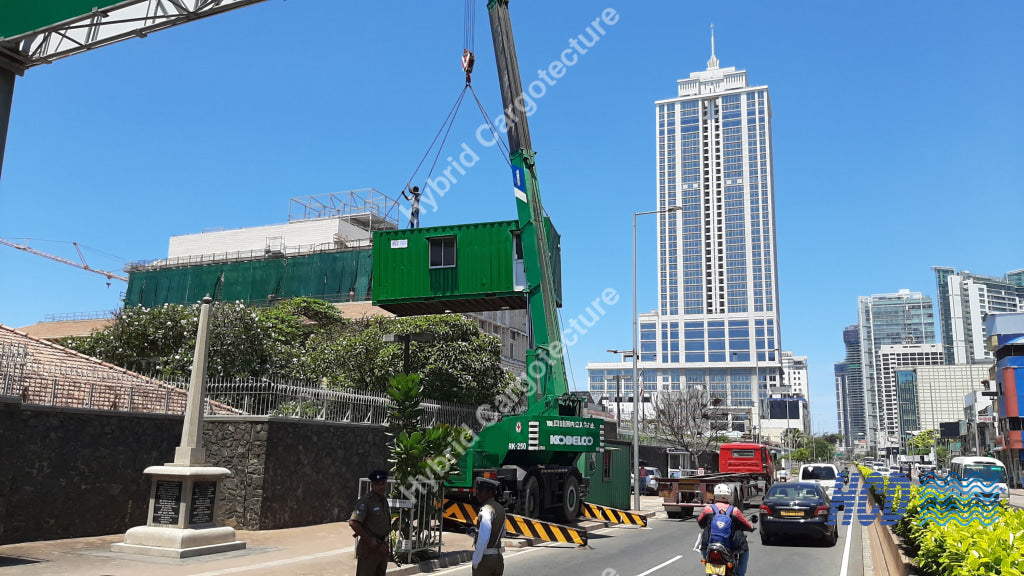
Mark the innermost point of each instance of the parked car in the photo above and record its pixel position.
(823, 474)
(648, 480)
(796, 509)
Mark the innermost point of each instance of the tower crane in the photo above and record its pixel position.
(83, 265)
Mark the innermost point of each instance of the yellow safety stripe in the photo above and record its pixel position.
(459, 511)
(544, 530)
(608, 514)
(547, 531)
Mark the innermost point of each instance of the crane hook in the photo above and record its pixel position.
(468, 59)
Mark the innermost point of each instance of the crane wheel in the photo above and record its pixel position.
(571, 501)
(532, 498)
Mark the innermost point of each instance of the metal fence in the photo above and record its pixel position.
(302, 400)
(84, 383)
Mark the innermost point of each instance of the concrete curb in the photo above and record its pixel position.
(447, 560)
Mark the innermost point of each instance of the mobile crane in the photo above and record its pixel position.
(532, 454)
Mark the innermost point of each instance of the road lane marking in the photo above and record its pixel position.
(846, 549)
(659, 566)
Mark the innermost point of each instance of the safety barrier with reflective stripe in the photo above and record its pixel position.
(460, 512)
(549, 531)
(607, 514)
(544, 530)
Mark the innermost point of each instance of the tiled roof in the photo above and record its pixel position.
(42, 372)
(361, 310)
(65, 328)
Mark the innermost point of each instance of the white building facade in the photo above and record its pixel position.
(964, 300)
(717, 323)
(890, 358)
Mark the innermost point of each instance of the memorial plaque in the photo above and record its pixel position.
(167, 502)
(204, 496)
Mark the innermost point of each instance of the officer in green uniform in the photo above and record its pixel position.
(490, 526)
(371, 521)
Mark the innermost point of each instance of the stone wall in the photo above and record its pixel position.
(313, 469)
(69, 473)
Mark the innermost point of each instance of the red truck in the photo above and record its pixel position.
(747, 467)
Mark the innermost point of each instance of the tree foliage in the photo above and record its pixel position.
(814, 448)
(307, 340)
(458, 364)
(691, 419)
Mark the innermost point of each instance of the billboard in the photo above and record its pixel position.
(949, 430)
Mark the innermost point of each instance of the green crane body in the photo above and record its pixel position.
(546, 439)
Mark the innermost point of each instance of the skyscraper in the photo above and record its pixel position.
(717, 321)
(964, 300)
(850, 392)
(902, 318)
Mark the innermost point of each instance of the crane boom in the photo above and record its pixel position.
(83, 265)
(546, 349)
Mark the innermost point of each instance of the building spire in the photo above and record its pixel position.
(713, 62)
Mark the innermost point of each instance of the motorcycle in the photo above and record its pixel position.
(720, 559)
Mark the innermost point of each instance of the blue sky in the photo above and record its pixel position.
(895, 133)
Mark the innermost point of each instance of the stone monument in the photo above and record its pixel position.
(182, 501)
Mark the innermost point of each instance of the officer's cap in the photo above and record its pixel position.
(488, 483)
(378, 476)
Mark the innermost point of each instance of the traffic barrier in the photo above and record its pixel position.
(547, 531)
(608, 514)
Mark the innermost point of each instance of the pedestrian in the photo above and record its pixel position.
(371, 522)
(490, 529)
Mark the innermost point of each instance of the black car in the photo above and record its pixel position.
(796, 509)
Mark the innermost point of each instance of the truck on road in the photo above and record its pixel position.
(746, 467)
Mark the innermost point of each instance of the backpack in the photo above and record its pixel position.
(721, 527)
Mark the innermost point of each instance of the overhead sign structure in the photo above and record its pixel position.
(34, 32)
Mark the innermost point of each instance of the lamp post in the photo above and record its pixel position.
(636, 348)
(406, 340)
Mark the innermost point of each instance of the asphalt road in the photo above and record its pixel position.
(665, 548)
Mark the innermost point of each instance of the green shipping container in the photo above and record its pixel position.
(608, 473)
(464, 268)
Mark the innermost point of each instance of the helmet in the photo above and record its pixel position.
(723, 491)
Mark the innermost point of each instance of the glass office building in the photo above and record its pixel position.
(904, 317)
(717, 321)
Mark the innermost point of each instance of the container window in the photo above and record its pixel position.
(442, 252)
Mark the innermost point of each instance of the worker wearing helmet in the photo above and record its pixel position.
(740, 524)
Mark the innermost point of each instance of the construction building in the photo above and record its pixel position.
(324, 251)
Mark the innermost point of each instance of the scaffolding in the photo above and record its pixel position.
(366, 207)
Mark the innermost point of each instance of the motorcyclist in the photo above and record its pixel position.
(740, 524)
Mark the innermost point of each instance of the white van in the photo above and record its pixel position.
(989, 471)
(823, 474)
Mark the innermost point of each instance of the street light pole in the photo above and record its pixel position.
(636, 353)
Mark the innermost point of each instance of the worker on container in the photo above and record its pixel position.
(726, 523)
(490, 529)
(371, 521)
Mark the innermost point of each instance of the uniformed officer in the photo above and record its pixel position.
(371, 521)
(490, 526)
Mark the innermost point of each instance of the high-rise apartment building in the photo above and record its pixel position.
(853, 424)
(886, 319)
(964, 299)
(891, 358)
(717, 321)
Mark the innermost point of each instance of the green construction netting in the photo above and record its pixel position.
(332, 276)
